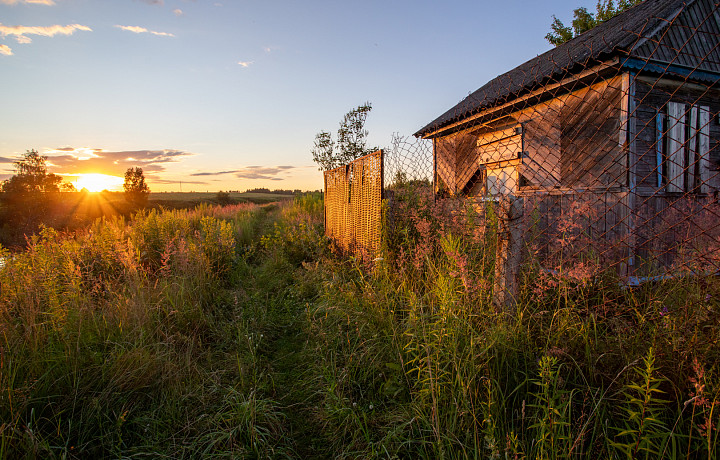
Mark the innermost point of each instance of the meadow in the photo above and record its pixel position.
(241, 332)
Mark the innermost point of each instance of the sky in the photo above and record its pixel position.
(209, 95)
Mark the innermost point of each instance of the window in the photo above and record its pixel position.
(683, 148)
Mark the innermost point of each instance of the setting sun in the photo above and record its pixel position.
(98, 182)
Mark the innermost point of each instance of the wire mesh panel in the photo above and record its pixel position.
(599, 156)
(353, 204)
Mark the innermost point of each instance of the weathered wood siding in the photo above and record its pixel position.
(570, 142)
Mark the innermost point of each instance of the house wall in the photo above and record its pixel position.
(676, 196)
(570, 141)
(586, 163)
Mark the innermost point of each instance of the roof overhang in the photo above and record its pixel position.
(546, 92)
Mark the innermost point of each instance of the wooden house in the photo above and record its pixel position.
(624, 115)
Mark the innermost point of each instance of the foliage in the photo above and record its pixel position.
(223, 198)
(350, 144)
(27, 198)
(583, 20)
(136, 190)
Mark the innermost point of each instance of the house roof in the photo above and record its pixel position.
(647, 32)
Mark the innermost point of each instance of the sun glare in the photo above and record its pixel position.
(98, 182)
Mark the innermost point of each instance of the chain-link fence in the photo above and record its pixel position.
(598, 157)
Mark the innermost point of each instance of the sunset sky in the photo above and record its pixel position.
(210, 95)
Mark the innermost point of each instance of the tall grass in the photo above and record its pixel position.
(236, 332)
(419, 363)
(122, 339)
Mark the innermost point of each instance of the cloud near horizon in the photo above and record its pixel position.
(72, 161)
(143, 30)
(254, 172)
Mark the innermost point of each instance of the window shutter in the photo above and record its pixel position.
(676, 148)
(704, 148)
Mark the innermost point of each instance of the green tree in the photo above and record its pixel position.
(136, 190)
(28, 197)
(223, 198)
(583, 20)
(351, 140)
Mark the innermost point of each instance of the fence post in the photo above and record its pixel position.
(510, 244)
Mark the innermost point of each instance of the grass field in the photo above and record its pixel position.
(237, 332)
(210, 197)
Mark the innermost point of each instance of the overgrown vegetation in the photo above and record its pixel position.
(235, 332)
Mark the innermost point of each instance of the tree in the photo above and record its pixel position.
(223, 198)
(351, 140)
(136, 190)
(583, 20)
(27, 199)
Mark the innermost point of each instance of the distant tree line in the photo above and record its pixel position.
(277, 191)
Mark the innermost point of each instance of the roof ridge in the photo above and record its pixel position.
(663, 25)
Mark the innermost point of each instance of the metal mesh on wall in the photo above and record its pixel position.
(599, 156)
(353, 204)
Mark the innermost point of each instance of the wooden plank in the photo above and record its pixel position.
(676, 148)
(498, 135)
(659, 146)
(541, 136)
(632, 168)
(692, 158)
(446, 163)
(704, 148)
(508, 148)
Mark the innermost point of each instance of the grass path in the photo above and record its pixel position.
(278, 301)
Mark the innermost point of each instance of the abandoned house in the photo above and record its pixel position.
(619, 125)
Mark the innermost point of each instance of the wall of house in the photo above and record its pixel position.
(588, 166)
(570, 141)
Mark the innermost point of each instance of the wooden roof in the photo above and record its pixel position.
(651, 36)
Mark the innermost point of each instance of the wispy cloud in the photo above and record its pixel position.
(143, 30)
(253, 172)
(31, 2)
(217, 173)
(157, 180)
(154, 2)
(245, 63)
(70, 160)
(178, 12)
(5, 50)
(21, 32)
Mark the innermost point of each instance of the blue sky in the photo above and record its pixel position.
(229, 94)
